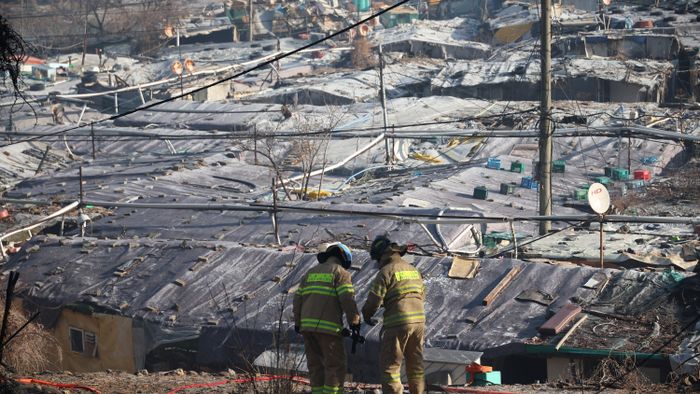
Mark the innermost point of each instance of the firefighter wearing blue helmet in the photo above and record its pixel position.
(324, 294)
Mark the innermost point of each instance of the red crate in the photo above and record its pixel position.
(644, 175)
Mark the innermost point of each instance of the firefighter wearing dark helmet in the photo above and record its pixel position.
(399, 287)
(324, 294)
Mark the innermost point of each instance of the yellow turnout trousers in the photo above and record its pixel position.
(325, 357)
(401, 342)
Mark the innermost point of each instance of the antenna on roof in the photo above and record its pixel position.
(599, 200)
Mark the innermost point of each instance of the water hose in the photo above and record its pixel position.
(57, 385)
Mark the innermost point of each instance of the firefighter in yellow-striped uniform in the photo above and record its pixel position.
(399, 287)
(324, 294)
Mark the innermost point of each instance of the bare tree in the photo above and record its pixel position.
(315, 133)
(62, 24)
(13, 50)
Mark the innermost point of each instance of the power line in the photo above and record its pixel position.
(237, 75)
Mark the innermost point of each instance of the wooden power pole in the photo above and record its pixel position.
(85, 29)
(250, 20)
(545, 172)
(383, 97)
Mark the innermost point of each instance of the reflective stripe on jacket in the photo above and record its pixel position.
(399, 287)
(323, 295)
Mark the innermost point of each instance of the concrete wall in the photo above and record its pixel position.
(563, 368)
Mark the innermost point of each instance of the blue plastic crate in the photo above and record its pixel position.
(528, 183)
(648, 160)
(494, 163)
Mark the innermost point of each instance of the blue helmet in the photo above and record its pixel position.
(338, 250)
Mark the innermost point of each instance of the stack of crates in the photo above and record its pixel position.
(517, 166)
(620, 174)
(643, 175)
(482, 375)
(493, 163)
(507, 188)
(528, 183)
(559, 166)
(481, 192)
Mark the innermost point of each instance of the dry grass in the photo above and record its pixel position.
(29, 351)
(619, 374)
(361, 56)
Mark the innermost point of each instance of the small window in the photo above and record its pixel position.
(77, 343)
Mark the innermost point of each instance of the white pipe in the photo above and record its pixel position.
(364, 149)
(37, 223)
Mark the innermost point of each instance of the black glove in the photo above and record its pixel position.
(355, 328)
(297, 329)
(371, 322)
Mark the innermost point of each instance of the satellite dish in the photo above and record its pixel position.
(176, 68)
(169, 31)
(189, 65)
(598, 198)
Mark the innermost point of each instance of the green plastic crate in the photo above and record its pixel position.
(581, 194)
(559, 166)
(508, 188)
(603, 179)
(517, 166)
(485, 379)
(620, 174)
(481, 192)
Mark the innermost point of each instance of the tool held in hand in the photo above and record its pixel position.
(354, 333)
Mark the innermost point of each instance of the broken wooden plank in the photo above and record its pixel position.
(463, 268)
(556, 323)
(571, 331)
(491, 297)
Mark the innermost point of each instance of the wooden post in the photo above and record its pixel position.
(629, 152)
(383, 97)
(255, 144)
(602, 246)
(250, 20)
(85, 29)
(515, 240)
(92, 136)
(275, 225)
(545, 142)
(11, 282)
(80, 179)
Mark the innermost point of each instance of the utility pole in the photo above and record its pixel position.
(82, 63)
(250, 20)
(545, 143)
(383, 97)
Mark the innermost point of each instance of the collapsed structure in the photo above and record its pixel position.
(198, 216)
